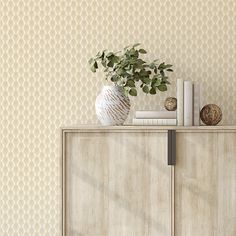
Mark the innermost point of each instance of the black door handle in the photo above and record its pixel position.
(171, 147)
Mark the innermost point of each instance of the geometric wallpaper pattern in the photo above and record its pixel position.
(45, 82)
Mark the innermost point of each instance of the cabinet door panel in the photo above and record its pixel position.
(205, 184)
(117, 184)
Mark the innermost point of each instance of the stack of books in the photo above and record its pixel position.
(155, 118)
(188, 108)
(188, 103)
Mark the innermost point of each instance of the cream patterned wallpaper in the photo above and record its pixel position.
(45, 82)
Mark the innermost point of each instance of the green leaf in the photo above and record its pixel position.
(145, 89)
(110, 63)
(99, 54)
(152, 66)
(170, 70)
(161, 66)
(114, 78)
(132, 61)
(133, 53)
(126, 92)
(146, 80)
(157, 83)
(158, 76)
(144, 72)
(91, 61)
(103, 53)
(133, 92)
(103, 62)
(110, 54)
(165, 80)
(167, 66)
(152, 91)
(142, 51)
(120, 71)
(130, 83)
(136, 76)
(115, 59)
(128, 72)
(162, 87)
(93, 69)
(162, 73)
(140, 61)
(127, 48)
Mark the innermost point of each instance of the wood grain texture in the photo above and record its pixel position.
(205, 184)
(117, 184)
(151, 128)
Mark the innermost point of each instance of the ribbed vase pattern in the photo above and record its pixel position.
(112, 106)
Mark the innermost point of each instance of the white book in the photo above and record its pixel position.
(188, 103)
(155, 114)
(180, 102)
(196, 104)
(154, 121)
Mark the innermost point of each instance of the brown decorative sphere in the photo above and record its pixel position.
(211, 114)
(170, 104)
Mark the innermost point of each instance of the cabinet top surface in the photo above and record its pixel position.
(148, 128)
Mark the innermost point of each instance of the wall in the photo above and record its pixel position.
(45, 82)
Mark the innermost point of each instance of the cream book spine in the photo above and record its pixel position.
(154, 122)
(155, 114)
(180, 102)
(188, 103)
(196, 104)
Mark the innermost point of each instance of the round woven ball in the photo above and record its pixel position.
(170, 104)
(211, 114)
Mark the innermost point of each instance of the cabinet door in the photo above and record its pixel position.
(205, 184)
(117, 184)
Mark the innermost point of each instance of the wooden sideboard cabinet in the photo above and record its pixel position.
(149, 181)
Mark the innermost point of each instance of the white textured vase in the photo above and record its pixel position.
(112, 106)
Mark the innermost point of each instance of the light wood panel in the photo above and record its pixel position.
(117, 184)
(205, 184)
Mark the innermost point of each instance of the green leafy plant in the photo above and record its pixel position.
(126, 69)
